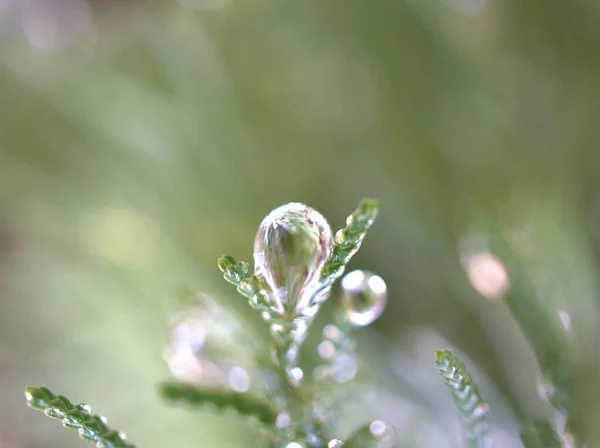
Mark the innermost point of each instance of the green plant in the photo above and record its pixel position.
(297, 260)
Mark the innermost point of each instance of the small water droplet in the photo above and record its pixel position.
(122, 435)
(206, 349)
(290, 250)
(343, 368)
(565, 320)
(335, 443)
(364, 296)
(295, 374)
(104, 420)
(238, 379)
(332, 333)
(382, 432)
(283, 420)
(85, 408)
(326, 349)
(545, 388)
(294, 445)
(480, 411)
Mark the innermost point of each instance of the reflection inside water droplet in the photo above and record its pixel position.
(364, 297)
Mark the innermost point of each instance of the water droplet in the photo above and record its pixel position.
(295, 375)
(364, 296)
(326, 349)
(283, 420)
(104, 420)
(335, 443)
(291, 247)
(294, 445)
(206, 349)
(382, 432)
(565, 320)
(332, 333)
(343, 368)
(545, 387)
(122, 435)
(238, 379)
(85, 408)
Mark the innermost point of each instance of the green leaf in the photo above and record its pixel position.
(234, 271)
(349, 239)
(540, 434)
(243, 404)
(473, 409)
(238, 274)
(90, 427)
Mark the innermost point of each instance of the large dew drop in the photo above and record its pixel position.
(364, 297)
(290, 250)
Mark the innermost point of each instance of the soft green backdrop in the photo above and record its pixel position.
(139, 141)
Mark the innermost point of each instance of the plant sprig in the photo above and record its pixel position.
(349, 239)
(473, 409)
(90, 427)
(243, 404)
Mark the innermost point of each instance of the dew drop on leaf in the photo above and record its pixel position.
(382, 432)
(291, 248)
(364, 297)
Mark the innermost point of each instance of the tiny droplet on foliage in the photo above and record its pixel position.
(382, 432)
(364, 297)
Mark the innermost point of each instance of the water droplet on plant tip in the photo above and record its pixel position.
(382, 432)
(364, 297)
(291, 248)
(85, 408)
(335, 443)
(294, 445)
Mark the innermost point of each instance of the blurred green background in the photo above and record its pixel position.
(139, 141)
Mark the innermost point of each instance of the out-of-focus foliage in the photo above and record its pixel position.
(141, 140)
